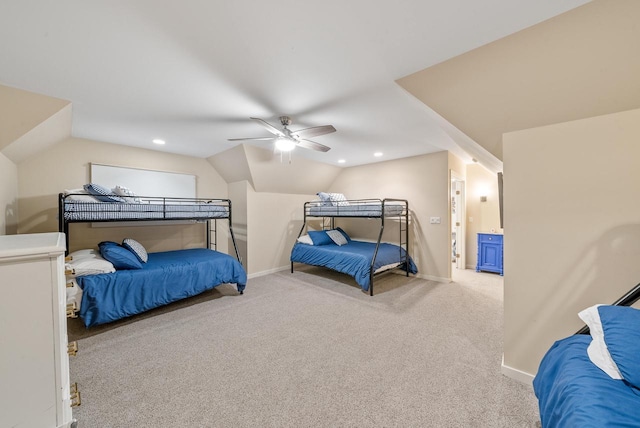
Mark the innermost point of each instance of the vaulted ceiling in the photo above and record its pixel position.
(193, 72)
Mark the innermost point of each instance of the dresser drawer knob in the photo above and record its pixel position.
(72, 348)
(72, 308)
(75, 395)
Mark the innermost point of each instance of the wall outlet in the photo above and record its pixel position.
(434, 220)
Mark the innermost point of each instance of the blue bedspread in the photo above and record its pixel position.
(574, 392)
(166, 277)
(353, 258)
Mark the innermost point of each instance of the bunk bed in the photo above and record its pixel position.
(592, 378)
(332, 248)
(154, 279)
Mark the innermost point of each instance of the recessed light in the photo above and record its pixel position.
(377, 154)
(158, 141)
(341, 161)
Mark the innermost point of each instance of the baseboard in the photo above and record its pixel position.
(515, 374)
(433, 278)
(267, 272)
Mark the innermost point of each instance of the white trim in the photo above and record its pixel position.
(268, 272)
(433, 278)
(515, 374)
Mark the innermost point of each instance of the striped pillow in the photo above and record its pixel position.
(136, 248)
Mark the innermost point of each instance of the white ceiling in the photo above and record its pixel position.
(192, 72)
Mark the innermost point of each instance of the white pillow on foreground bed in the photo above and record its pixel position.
(88, 262)
(597, 350)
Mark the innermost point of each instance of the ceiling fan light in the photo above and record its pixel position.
(285, 144)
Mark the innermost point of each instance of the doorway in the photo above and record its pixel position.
(458, 231)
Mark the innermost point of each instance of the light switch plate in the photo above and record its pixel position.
(434, 220)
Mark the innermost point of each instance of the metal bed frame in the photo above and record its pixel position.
(347, 211)
(165, 215)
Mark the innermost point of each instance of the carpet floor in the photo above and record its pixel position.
(307, 349)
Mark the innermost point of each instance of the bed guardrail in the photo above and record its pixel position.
(141, 209)
(631, 297)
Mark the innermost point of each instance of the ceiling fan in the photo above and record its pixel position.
(286, 139)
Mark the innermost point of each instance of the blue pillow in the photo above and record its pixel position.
(344, 233)
(320, 237)
(102, 193)
(120, 257)
(621, 328)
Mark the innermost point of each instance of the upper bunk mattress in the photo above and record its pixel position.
(104, 211)
(355, 209)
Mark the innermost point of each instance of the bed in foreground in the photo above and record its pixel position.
(592, 381)
(165, 277)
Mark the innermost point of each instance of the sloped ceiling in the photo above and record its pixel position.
(192, 72)
(21, 112)
(583, 63)
(267, 171)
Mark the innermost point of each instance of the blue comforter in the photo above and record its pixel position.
(574, 392)
(166, 277)
(353, 258)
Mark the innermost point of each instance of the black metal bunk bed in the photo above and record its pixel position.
(164, 277)
(382, 209)
(207, 210)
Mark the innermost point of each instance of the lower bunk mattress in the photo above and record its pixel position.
(574, 392)
(166, 277)
(353, 258)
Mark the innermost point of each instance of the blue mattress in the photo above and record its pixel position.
(353, 258)
(166, 277)
(574, 392)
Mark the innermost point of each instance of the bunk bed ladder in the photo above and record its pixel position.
(375, 252)
(404, 237)
(215, 234)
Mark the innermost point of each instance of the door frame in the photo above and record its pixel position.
(457, 190)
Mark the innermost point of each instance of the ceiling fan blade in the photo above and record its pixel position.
(253, 139)
(268, 127)
(314, 131)
(308, 144)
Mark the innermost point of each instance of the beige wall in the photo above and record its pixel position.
(67, 166)
(424, 182)
(482, 217)
(572, 227)
(8, 196)
(238, 193)
(275, 220)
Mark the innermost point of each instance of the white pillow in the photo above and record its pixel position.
(597, 350)
(305, 239)
(123, 191)
(88, 264)
(337, 237)
(338, 199)
(83, 254)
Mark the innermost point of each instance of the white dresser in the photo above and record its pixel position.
(35, 390)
